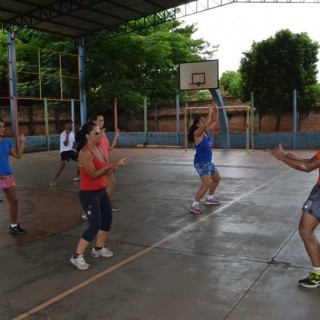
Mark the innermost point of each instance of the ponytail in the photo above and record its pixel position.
(81, 139)
(193, 128)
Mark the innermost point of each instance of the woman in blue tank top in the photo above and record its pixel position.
(7, 182)
(209, 175)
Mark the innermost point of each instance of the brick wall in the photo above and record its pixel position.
(31, 120)
(166, 120)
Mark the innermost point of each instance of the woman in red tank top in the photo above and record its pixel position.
(105, 147)
(93, 196)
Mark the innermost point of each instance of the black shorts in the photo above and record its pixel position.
(67, 155)
(312, 204)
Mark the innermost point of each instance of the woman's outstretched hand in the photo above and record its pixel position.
(278, 152)
(123, 161)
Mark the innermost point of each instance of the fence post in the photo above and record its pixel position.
(13, 84)
(72, 115)
(145, 121)
(294, 119)
(82, 76)
(252, 117)
(177, 118)
(46, 122)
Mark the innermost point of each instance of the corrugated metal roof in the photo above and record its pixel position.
(77, 18)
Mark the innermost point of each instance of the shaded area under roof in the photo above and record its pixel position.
(77, 18)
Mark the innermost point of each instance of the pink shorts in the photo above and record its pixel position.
(7, 182)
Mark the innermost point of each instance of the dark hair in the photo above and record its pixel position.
(94, 117)
(68, 121)
(81, 139)
(193, 128)
(2, 120)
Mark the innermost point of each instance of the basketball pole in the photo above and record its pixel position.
(185, 127)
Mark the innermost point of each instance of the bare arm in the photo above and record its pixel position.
(203, 126)
(115, 139)
(66, 141)
(17, 153)
(214, 117)
(86, 162)
(306, 165)
(295, 157)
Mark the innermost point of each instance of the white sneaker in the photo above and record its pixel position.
(104, 252)
(84, 216)
(114, 208)
(79, 262)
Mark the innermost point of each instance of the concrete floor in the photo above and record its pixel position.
(240, 260)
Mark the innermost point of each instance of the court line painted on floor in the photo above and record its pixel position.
(139, 254)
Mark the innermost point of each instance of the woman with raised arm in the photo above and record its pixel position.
(105, 148)
(94, 168)
(209, 175)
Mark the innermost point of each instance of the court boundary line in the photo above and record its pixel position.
(120, 264)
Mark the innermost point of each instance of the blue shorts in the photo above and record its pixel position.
(205, 168)
(312, 204)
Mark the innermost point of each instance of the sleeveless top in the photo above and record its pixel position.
(204, 149)
(89, 183)
(5, 147)
(104, 146)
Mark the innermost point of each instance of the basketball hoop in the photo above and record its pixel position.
(195, 85)
(199, 75)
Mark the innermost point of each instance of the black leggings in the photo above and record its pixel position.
(97, 207)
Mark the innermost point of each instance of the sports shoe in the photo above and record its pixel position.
(195, 209)
(16, 230)
(212, 202)
(79, 262)
(52, 184)
(104, 252)
(312, 281)
(76, 179)
(114, 208)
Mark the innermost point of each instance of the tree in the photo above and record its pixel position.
(276, 66)
(129, 67)
(144, 63)
(38, 60)
(230, 84)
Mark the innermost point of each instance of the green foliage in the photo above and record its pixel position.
(276, 66)
(41, 66)
(230, 84)
(203, 95)
(314, 91)
(129, 67)
(144, 63)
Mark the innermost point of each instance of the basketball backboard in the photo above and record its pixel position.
(199, 75)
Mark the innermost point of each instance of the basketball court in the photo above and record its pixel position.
(240, 260)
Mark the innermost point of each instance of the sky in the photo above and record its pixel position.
(236, 26)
